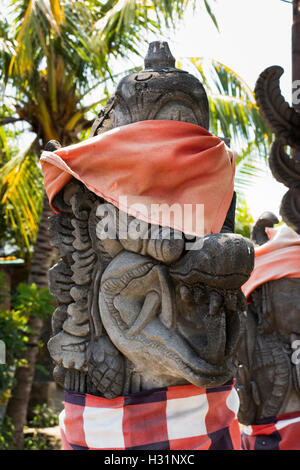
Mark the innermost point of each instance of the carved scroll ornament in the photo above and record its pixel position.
(284, 121)
(268, 377)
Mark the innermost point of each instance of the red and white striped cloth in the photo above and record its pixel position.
(281, 432)
(174, 418)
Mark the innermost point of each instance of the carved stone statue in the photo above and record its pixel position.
(138, 314)
(269, 375)
(284, 121)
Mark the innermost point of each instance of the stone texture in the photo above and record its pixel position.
(137, 314)
(268, 381)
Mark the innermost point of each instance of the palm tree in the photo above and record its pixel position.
(53, 54)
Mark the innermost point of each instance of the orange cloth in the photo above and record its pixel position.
(278, 258)
(151, 162)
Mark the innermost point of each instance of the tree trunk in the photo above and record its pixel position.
(41, 262)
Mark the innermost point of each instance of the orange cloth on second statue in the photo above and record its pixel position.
(151, 162)
(277, 258)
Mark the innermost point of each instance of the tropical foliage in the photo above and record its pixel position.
(233, 115)
(57, 61)
(15, 332)
(57, 58)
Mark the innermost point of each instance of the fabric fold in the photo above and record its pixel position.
(148, 167)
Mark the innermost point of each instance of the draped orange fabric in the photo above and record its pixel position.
(141, 165)
(278, 258)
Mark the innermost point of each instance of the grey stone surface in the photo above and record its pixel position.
(137, 314)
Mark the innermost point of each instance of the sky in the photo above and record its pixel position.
(253, 35)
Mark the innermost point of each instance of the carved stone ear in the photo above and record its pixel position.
(258, 233)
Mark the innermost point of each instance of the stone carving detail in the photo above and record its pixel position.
(160, 91)
(138, 314)
(284, 121)
(268, 380)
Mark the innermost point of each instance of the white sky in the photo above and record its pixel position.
(253, 35)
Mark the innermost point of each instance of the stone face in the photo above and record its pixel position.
(160, 92)
(137, 314)
(268, 378)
